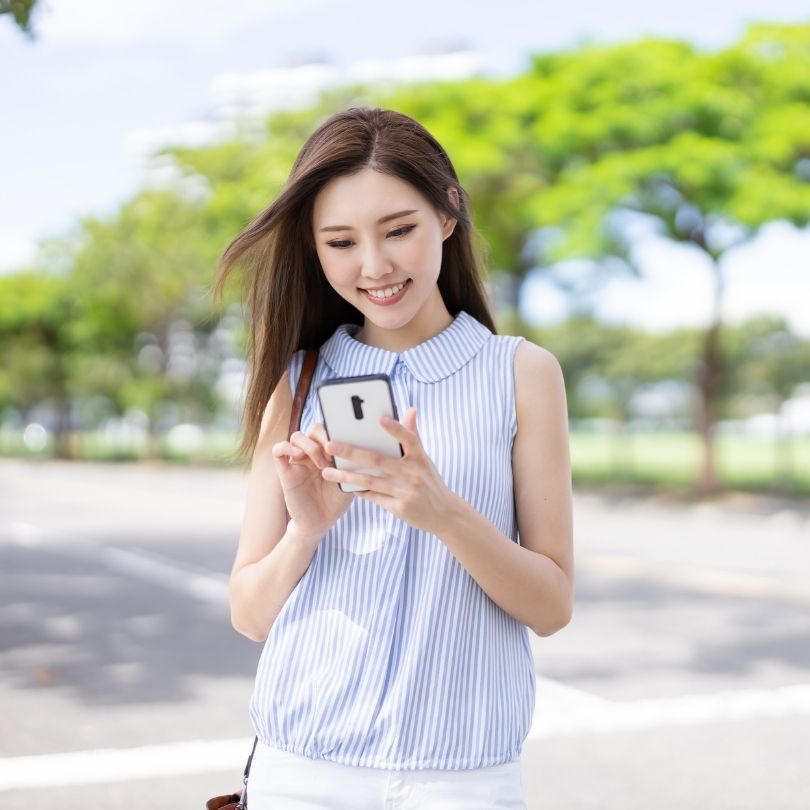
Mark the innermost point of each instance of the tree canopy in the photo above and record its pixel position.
(21, 12)
(703, 147)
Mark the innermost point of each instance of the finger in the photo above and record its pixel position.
(374, 483)
(362, 457)
(318, 432)
(375, 497)
(293, 453)
(404, 432)
(311, 448)
(410, 420)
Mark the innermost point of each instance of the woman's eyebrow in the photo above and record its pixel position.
(379, 221)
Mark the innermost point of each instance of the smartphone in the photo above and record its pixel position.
(352, 407)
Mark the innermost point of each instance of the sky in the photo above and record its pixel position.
(104, 83)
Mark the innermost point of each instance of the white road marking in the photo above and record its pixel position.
(169, 573)
(559, 711)
(25, 534)
(146, 565)
(102, 766)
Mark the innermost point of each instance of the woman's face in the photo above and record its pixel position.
(379, 242)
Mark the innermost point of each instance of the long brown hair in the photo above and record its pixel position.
(292, 304)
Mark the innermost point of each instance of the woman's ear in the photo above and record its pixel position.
(449, 223)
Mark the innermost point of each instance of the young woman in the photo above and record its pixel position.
(396, 669)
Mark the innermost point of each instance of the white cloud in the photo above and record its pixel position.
(101, 22)
(769, 275)
(257, 92)
(456, 65)
(15, 251)
(676, 289)
(140, 143)
(239, 94)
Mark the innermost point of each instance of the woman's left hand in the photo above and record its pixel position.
(410, 486)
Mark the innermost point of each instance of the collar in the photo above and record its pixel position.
(430, 361)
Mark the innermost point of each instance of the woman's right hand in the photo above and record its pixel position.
(313, 503)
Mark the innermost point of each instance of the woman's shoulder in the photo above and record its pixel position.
(529, 357)
(539, 378)
(533, 359)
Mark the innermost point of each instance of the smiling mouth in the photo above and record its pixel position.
(386, 294)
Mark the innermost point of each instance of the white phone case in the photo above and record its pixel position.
(351, 408)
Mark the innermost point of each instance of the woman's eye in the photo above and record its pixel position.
(342, 244)
(402, 231)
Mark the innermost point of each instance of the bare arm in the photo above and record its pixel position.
(272, 555)
(533, 581)
(541, 462)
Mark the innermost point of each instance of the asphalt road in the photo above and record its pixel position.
(683, 680)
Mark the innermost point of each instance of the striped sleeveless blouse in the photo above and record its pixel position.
(387, 653)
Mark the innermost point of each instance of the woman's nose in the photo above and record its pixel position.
(375, 262)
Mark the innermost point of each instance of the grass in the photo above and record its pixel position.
(660, 460)
(673, 460)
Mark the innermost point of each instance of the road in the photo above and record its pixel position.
(683, 680)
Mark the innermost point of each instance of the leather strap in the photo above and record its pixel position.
(235, 801)
(302, 389)
(242, 803)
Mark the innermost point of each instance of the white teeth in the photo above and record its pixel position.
(387, 292)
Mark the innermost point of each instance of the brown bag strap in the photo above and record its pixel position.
(302, 389)
(238, 801)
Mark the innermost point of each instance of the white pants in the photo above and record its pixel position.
(280, 780)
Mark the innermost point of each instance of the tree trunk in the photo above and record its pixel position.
(62, 448)
(784, 457)
(63, 429)
(709, 375)
(508, 303)
(152, 451)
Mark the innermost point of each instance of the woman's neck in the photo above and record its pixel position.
(427, 323)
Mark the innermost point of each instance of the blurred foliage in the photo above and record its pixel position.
(566, 161)
(622, 357)
(21, 12)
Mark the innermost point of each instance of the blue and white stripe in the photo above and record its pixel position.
(387, 653)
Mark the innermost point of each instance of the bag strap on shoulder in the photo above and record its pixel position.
(302, 389)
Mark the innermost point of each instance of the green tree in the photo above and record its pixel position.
(36, 347)
(767, 361)
(620, 360)
(21, 12)
(710, 147)
(483, 125)
(136, 276)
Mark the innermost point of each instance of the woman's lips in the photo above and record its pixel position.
(387, 302)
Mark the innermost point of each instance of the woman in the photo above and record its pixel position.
(396, 669)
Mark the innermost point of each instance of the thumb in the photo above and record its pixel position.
(410, 420)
